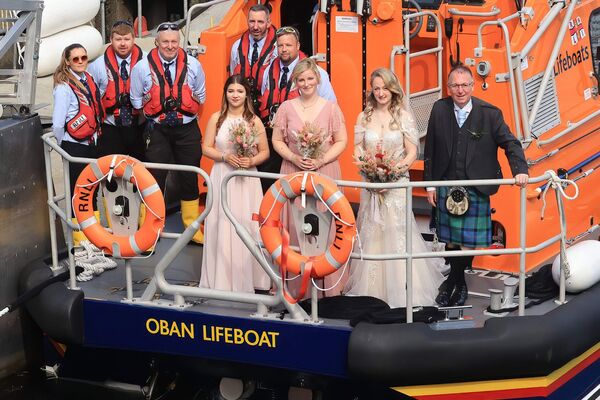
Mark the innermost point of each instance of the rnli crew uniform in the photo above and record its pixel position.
(76, 119)
(123, 127)
(170, 94)
(250, 58)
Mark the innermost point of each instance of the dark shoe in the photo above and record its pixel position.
(460, 295)
(443, 297)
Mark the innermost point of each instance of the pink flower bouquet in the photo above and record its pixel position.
(244, 138)
(310, 140)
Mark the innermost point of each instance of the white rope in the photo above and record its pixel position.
(341, 274)
(4, 311)
(92, 260)
(558, 184)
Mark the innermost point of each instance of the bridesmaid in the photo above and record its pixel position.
(77, 112)
(227, 264)
(290, 119)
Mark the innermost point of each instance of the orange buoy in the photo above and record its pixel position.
(288, 188)
(131, 170)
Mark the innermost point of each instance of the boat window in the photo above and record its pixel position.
(595, 39)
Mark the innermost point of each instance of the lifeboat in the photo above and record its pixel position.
(538, 62)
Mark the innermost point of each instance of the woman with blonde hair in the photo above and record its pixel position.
(388, 125)
(226, 262)
(313, 114)
(77, 112)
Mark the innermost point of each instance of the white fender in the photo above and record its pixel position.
(51, 47)
(60, 15)
(584, 266)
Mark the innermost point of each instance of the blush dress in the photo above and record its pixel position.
(330, 119)
(227, 264)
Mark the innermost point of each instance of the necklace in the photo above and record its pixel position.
(309, 106)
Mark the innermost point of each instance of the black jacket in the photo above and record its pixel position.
(488, 131)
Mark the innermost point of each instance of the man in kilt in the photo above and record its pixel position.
(462, 142)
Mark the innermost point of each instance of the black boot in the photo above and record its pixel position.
(461, 292)
(444, 292)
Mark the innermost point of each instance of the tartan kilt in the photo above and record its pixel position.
(472, 229)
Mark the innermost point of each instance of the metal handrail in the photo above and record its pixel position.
(188, 19)
(513, 91)
(493, 12)
(406, 48)
(522, 250)
(550, 66)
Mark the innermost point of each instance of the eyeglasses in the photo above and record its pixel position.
(122, 22)
(285, 30)
(76, 59)
(463, 86)
(167, 26)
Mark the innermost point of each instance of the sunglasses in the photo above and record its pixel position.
(122, 22)
(285, 30)
(167, 26)
(77, 59)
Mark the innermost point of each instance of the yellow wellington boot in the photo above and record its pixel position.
(189, 212)
(78, 236)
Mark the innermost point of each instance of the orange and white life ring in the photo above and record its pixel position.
(131, 170)
(312, 184)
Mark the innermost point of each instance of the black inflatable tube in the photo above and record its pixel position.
(56, 309)
(511, 347)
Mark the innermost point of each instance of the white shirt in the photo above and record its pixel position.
(467, 109)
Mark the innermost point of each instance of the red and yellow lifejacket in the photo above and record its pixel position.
(116, 86)
(181, 92)
(256, 71)
(90, 113)
(273, 95)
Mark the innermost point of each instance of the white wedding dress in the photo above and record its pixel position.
(382, 228)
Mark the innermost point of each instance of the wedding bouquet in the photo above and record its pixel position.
(380, 166)
(310, 140)
(244, 138)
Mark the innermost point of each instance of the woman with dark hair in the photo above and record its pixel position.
(77, 113)
(234, 138)
(387, 125)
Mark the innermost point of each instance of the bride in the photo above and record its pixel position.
(388, 123)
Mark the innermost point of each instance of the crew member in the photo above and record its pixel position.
(255, 50)
(122, 131)
(77, 112)
(169, 87)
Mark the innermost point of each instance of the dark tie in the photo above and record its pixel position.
(254, 54)
(124, 73)
(284, 79)
(171, 116)
(87, 87)
(168, 73)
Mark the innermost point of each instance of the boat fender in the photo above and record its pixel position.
(130, 169)
(583, 268)
(51, 47)
(55, 19)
